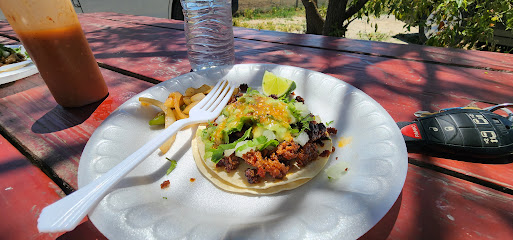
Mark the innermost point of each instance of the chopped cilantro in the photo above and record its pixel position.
(305, 122)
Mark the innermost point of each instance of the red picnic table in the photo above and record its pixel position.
(42, 143)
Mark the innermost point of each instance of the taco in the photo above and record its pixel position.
(262, 144)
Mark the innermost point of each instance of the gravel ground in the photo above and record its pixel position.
(388, 27)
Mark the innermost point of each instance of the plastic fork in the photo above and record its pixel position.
(66, 214)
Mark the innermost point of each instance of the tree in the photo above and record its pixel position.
(452, 23)
(339, 15)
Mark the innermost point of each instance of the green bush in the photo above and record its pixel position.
(458, 23)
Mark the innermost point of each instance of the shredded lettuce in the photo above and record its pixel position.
(218, 153)
(252, 143)
(273, 143)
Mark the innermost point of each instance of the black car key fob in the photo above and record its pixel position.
(473, 135)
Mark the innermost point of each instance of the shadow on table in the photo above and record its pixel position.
(60, 118)
(384, 227)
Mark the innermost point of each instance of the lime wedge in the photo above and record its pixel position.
(279, 86)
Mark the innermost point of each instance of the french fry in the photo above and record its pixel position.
(197, 97)
(169, 102)
(204, 89)
(187, 100)
(177, 106)
(190, 91)
(169, 119)
(157, 103)
(187, 109)
(178, 100)
(167, 145)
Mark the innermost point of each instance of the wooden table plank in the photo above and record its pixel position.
(6, 30)
(157, 53)
(148, 51)
(6, 41)
(494, 173)
(54, 135)
(25, 191)
(433, 205)
(357, 69)
(457, 57)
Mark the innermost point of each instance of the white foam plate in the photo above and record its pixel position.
(15, 71)
(322, 209)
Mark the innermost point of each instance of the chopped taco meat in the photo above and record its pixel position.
(287, 151)
(332, 131)
(269, 165)
(307, 154)
(252, 176)
(164, 184)
(229, 163)
(316, 131)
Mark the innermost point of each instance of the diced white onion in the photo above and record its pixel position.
(220, 119)
(240, 143)
(240, 153)
(292, 119)
(302, 138)
(269, 135)
(229, 152)
(302, 108)
(337, 170)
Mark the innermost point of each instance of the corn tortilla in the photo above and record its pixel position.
(235, 181)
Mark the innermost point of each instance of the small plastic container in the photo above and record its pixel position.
(53, 37)
(209, 33)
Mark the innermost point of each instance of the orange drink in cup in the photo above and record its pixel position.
(53, 37)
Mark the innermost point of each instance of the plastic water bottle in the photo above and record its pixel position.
(209, 33)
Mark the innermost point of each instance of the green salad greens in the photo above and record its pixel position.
(254, 122)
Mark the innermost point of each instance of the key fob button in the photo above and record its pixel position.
(479, 119)
(489, 137)
(433, 130)
(449, 129)
(462, 120)
(471, 137)
(456, 140)
(500, 126)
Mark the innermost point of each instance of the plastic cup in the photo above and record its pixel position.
(53, 37)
